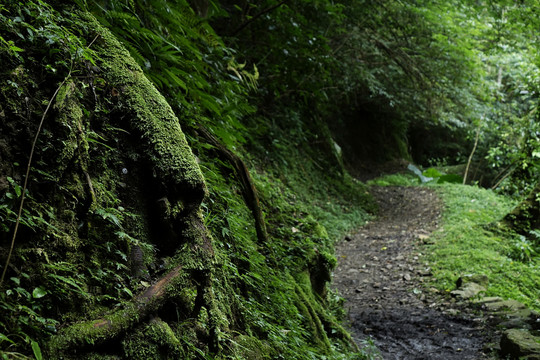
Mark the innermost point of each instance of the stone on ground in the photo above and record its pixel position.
(520, 344)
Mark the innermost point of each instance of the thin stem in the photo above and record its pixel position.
(26, 179)
(472, 153)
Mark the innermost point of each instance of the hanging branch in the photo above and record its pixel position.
(508, 173)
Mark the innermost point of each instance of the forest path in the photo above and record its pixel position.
(380, 275)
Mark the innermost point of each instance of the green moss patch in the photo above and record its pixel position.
(470, 242)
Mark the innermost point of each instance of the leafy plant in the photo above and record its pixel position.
(522, 249)
(433, 175)
(187, 61)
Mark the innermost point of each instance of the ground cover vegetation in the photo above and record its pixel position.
(188, 162)
(510, 261)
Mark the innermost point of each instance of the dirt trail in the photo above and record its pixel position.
(380, 276)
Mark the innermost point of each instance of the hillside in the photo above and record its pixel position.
(174, 175)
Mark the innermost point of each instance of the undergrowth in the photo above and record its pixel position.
(395, 180)
(272, 282)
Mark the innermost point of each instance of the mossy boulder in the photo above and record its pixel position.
(520, 344)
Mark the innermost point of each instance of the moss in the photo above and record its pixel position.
(97, 356)
(197, 252)
(151, 117)
(249, 347)
(93, 331)
(155, 340)
(306, 305)
(320, 231)
(72, 147)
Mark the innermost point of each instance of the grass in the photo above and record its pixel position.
(395, 180)
(470, 242)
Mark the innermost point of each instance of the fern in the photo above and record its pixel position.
(186, 60)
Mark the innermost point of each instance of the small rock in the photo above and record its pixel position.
(488, 299)
(468, 291)
(515, 323)
(479, 279)
(511, 305)
(407, 277)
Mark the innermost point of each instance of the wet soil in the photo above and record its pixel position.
(381, 275)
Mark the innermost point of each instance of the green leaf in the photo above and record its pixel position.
(37, 350)
(39, 292)
(176, 79)
(113, 219)
(418, 173)
(5, 338)
(432, 173)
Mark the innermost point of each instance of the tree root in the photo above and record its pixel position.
(95, 332)
(193, 264)
(248, 188)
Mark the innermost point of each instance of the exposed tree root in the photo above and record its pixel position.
(248, 188)
(77, 338)
(95, 332)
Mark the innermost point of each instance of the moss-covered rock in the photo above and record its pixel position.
(155, 340)
(520, 344)
(149, 116)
